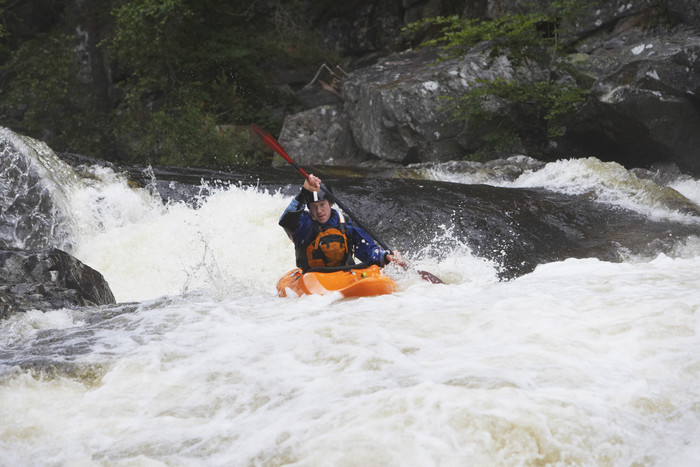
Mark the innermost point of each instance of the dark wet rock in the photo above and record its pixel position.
(517, 229)
(34, 274)
(46, 280)
(644, 104)
(685, 11)
(31, 193)
(496, 170)
(359, 28)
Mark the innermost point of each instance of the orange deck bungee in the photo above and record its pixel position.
(364, 282)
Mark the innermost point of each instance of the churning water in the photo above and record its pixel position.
(581, 362)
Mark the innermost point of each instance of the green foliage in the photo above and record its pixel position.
(3, 31)
(543, 105)
(170, 81)
(541, 90)
(145, 36)
(195, 73)
(44, 90)
(181, 132)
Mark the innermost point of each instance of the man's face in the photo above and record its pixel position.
(321, 211)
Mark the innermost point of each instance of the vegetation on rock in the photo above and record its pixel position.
(533, 105)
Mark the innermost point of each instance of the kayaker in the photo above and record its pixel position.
(323, 237)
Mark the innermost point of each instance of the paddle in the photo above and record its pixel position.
(275, 146)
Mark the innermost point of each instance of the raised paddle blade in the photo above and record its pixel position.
(273, 144)
(269, 140)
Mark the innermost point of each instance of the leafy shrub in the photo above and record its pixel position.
(542, 94)
(180, 79)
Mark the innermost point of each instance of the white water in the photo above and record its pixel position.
(607, 182)
(581, 362)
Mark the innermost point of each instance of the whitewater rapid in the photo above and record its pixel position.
(581, 362)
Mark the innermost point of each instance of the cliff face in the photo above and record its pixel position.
(641, 60)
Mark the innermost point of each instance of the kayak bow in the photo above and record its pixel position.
(355, 282)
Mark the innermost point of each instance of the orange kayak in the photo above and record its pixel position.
(362, 282)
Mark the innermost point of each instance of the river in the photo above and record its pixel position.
(578, 362)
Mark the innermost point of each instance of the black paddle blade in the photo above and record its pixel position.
(432, 278)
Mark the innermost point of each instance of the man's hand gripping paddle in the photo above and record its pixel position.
(275, 146)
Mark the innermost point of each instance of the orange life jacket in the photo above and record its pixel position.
(330, 247)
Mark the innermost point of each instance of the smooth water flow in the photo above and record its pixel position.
(581, 362)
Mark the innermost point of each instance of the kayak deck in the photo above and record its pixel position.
(364, 282)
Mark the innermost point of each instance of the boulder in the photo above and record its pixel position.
(48, 279)
(319, 136)
(644, 105)
(398, 108)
